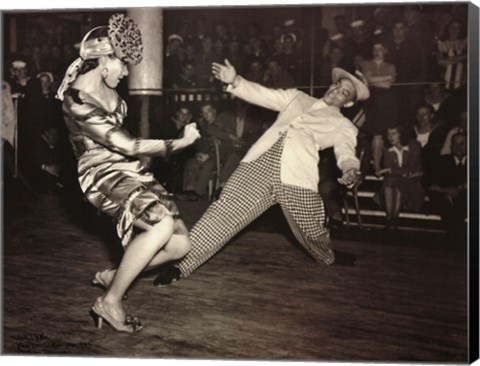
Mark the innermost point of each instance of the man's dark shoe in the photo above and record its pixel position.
(344, 258)
(216, 194)
(167, 275)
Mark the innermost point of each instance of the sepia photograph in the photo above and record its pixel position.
(260, 182)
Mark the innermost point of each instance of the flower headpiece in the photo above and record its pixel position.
(124, 40)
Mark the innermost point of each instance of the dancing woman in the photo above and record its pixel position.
(110, 174)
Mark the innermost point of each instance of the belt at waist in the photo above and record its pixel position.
(81, 145)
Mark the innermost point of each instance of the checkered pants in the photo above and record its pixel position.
(250, 191)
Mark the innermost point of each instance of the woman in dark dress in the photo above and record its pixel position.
(402, 167)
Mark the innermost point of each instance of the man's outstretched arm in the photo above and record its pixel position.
(274, 99)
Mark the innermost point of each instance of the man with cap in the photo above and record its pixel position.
(281, 167)
(19, 77)
(360, 42)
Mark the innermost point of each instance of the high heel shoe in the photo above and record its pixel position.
(100, 281)
(130, 324)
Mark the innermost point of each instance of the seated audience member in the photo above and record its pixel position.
(19, 79)
(381, 108)
(276, 77)
(200, 32)
(255, 50)
(335, 58)
(235, 54)
(7, 130)
(360, 42)
(452, 56)
(255, 71)
(337, 40)
(46, 84)
(462, 127)
(169, 170)
(203, 63)
(291, 59)
(420, 30)
(448, 189)
(173, 58)
(435, 95)
(404, 53)
(276, 47)
(44, 163)
(244, 130)
(342, 26)
(275, 35)
(189, 53)
(187, 78)
(45, 111)
(23, 89)
(200, 169)
(221, 32)
(219, 50)
(381, 19)
(431, 137)
(402, 167)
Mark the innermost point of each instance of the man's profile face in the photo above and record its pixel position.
(340, 93)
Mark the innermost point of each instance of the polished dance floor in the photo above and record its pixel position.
(260, 298)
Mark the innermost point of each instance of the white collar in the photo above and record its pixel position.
(457, 160)
(404, 148)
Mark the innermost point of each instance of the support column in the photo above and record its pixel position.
(145, 79)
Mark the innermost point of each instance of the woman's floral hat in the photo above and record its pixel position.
(124, 40)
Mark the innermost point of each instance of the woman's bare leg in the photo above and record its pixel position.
(377, 146)
(176, 248)
(137, 255)
(397, 203)
(389, 204)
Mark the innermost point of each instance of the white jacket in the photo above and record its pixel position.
(310, 125)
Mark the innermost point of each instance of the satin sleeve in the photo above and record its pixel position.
(105, 130)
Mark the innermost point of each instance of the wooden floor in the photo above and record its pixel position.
(260, 298)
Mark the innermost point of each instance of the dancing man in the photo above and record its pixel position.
(281, 167)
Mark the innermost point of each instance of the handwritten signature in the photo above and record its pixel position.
(40, 343)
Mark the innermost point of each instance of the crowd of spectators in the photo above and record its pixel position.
(413, 59)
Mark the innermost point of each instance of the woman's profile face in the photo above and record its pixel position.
(117, 70)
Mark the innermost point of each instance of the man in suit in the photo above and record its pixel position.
(448, 191)
(243, 132)
(200, 169)
(281, 167)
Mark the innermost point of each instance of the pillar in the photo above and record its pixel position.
(145, 79)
